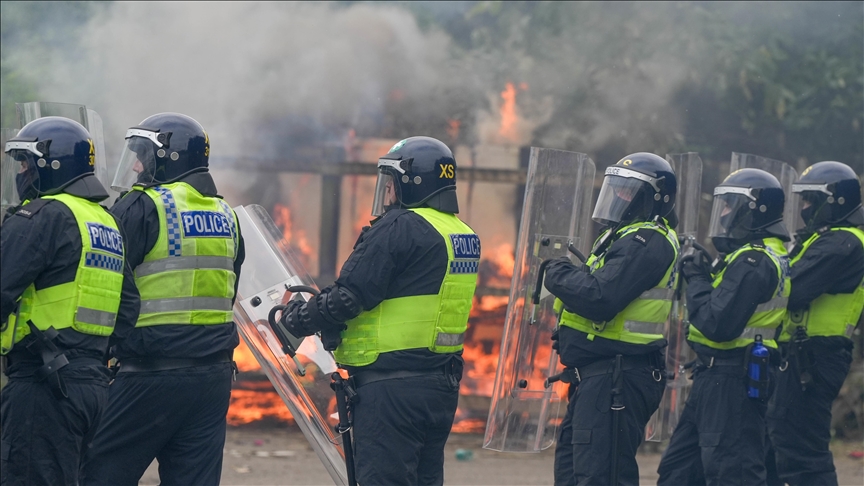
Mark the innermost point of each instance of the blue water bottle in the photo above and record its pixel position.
(757, 370)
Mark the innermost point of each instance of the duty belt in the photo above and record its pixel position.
(602, 367)
(711, 361)
(365, 377)
(141, 365)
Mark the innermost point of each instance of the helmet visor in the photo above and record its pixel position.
(137, 164)
(616, 197)
(386, 194)
(731, 214)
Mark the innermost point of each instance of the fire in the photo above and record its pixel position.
(282, 218)
(508, 112)
(245, 359)
(453, 128)
(254, 399)
(253, 405)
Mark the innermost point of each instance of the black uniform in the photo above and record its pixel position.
(401, 424)
(175, 413)
(633, 264)
(43, 437)
(720, 437)
(799, 422)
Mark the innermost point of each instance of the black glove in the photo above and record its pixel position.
(562, 260)
(695, 265)
(331, 337)
(292, 318)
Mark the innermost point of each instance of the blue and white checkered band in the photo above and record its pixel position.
(205, 224)
(466, 253)
(465, 246)
(107, 262)
(226, 210)
(172, 221)
(106, 239)
(463, 266)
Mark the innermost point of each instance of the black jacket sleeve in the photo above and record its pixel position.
(721, 313)
(28, 245)
(633, 264)
(833, 264)
(138, 220)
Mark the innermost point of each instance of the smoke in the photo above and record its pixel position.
(236, 66)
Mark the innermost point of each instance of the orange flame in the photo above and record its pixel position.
(283, 219)
(508, 113)
(253, 405)
(453, 128)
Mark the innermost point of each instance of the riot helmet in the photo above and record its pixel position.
(748, 205)
(640, 187)
(162, 149)
(417, 171)
(53, 152)
(830, 194)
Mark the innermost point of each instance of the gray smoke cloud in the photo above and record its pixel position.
(233, 65)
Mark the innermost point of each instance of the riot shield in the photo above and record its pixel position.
(784, 173)
(688, 172)
(8, 170)
(524, 412)
(304, 382)
(91, 120)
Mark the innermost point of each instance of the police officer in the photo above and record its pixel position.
(170, 397)
(610, 335)
(62, 275)
(401, 303)
(824, 307)
(720, 437)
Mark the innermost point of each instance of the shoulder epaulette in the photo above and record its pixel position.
(31, 208)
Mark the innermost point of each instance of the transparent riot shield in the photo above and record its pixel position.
(8, 170)
(303, 383)
(524, 413)
(688, 172)
(91, 120)
(784, 173)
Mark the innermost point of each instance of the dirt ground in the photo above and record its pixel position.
(256, 455)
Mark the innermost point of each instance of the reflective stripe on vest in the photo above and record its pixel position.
(828, 314)
(643, 320)
(89, 303)
(188, 276)
(436, 322)
(768, 315)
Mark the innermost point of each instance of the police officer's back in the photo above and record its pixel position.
(824, 308)
(62, 263)
(397, 316)
(720, 437)
(171, 394)
(616, 305)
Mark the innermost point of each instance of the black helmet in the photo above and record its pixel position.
(831, 193)
(748, 205)
(639, 187)
(54, 152)
(418, 171)
(168, 147)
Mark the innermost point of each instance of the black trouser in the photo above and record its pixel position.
(400, 428)
(799, 422)
(175, 416)
(44, 438)
(720, 438)
(584, 449)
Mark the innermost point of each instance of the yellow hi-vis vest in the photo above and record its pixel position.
(829, 314)
(768, 315)
(188, 277)
(643, 320)
(87, 304)
(438, 321)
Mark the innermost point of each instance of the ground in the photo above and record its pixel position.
(257, 455)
